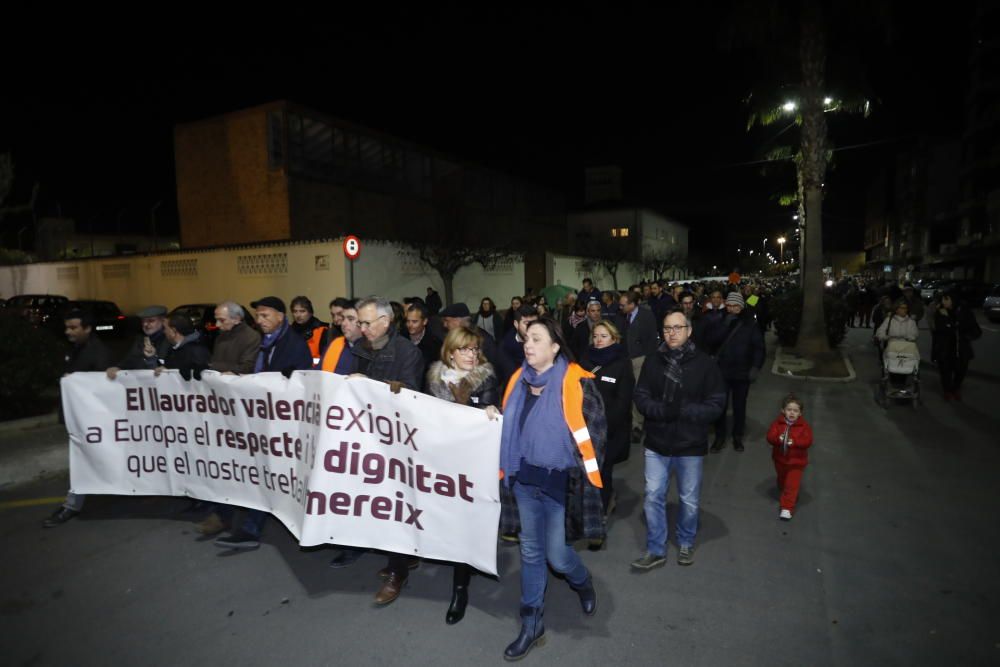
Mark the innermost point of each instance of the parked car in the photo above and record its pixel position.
(109, 320)
(991, 305)
(41, 310)
(928, 288)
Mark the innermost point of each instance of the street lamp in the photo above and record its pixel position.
(781, 246)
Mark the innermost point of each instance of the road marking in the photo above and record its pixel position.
(31, 502)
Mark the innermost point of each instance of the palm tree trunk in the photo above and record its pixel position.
(812, 340)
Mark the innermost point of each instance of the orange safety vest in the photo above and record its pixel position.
(573, 414)
(313, 343)
(333, 352)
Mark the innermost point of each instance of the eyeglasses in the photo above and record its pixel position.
(677, 328)
(468, 350)
(368, 325)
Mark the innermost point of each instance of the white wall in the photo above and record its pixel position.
(316, 270)
(384, 271)
(566, 270)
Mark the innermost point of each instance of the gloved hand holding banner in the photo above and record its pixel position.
(337, 460)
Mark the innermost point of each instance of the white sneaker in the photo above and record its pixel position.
(785, 515)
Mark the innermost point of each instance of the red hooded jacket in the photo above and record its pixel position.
(799, 433)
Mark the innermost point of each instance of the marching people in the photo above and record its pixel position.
(639, 329)
(488, 319)
(429, 345)
(583, 334)
(790, 437)
(462, 375)
(508, 319)
(284, 351)
(551, 452)
(608, 360)
(305, 323)
(738, 345)
(237, 345)
(150, 347)
(187, 352)
(87, 353)
(955, 328)
(681, 392)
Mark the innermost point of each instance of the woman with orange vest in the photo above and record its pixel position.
(551, 452)
(304, 322)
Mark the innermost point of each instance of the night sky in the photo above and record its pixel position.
(90, 102)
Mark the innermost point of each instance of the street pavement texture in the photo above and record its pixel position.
(889, 560)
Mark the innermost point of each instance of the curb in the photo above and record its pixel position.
(27, 423)
(788, 376)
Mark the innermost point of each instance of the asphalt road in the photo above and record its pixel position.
(890, 560)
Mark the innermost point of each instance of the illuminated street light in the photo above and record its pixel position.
(827, 101)
(789, 106)
(781, 245)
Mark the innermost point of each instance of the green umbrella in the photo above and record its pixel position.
(553, 293)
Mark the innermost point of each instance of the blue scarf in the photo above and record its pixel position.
(545, 433)
(266, 345)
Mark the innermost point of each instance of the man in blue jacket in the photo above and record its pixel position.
(680, 392)
(281, 351)
(739, 350)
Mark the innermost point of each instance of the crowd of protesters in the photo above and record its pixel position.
(577, 381)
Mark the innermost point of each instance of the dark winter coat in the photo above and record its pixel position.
(433, 302)
(92, 356)
(235, 350)
(135, 360)
(581, 338)
(954, 333)
(479, 386)
(497, 323)
(616, 383)
(743, 350)
(702, 396)
(289, 353)
(584, 510)
(642, 334)
(191, 355)
(430, 348)
(399, 361)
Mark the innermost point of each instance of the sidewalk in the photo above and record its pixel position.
(32, 449)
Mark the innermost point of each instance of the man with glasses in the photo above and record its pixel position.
(680, 391)
(386, 356)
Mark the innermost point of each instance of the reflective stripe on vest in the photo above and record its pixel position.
(573, 414)
(313, 342)
(332, 356)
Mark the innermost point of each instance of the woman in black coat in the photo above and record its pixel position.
(463, 376)
(488, 318)
(608, 360)
(955, 328)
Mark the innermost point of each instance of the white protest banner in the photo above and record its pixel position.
(337, 460)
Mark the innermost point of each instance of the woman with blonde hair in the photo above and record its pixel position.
(463, 376)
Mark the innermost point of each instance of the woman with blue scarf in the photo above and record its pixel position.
(550, 455)
(608, 360)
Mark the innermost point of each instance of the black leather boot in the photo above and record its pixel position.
(532, 634)
(588, 597)
(459, 601)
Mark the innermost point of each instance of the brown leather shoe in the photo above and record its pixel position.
(391, 588)
(211, 525)
(412, 563)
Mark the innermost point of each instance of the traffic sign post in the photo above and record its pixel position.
(352, 250)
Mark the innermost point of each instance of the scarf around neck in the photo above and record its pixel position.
(545, 427)
(603, 357)
(673, 372)
(267, 346)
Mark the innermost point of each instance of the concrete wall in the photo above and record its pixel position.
(568, 270)
(317, 270)
(382, 270)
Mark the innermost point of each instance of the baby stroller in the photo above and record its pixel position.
(900, 373)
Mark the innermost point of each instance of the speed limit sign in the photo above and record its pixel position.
(352, 247)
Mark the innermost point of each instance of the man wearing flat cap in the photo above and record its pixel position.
(282, 351)
(739, 351)
(149, 349)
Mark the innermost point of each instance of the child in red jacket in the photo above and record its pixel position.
(790, 437)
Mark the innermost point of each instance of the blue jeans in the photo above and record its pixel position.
(253, 523)
(543, 537)
(688, 469)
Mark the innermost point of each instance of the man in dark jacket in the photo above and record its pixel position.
(583, 333)
(641, 339)
(86, 354)
(433, 301)
(282, 351)
(680, 391)
(511, 352)
(739, 350)
(388, 357)
(149, 349)
(416, 329)
(237, 345)
(187, 354)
